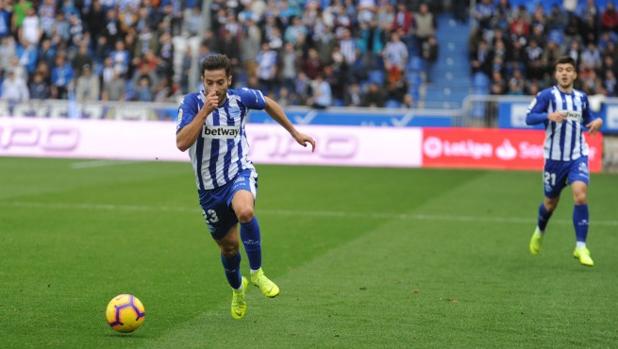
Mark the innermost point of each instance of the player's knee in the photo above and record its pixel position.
(229, 249)
(245, 214)
(580, 197)
(551, 205)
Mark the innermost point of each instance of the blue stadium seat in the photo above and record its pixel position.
(416, 64)
(377, 77)
(480, 81)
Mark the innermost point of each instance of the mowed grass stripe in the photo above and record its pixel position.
(299, 212)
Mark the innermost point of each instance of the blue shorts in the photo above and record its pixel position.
(217, 203)
(558, 174)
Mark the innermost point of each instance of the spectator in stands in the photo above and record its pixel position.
(429, 52)
(425, 24)
(535, 64)
(403, 23)
(481, 58)
(609, 18)
(353, 96)
(498, 86)
(484, 12)
(20, 10)
(312, 66)
(14, 90)
(82, 58)
(62, 77)
(267, 68)
(556, 20)
(289, 63)
(610, 84)
(7, 52)
(551, 54)
(143, 91)
(5, 20)
(322, 94)
(516, 83)
(120, 57)
(396, 91)
(374, 97)
(27, 54)
(88, 85)
(39, 89)
(114, 89)
(591, 57)
(31, 28)
(574, 51)
(532, 88)
(395, 55)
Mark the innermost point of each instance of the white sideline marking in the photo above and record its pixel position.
(318, 214)
(99, 163)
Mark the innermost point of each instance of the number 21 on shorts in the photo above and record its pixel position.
(549, 178)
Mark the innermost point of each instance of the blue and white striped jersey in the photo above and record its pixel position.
(564, 141)
(220, 152)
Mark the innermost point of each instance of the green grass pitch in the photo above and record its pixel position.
(365, 258)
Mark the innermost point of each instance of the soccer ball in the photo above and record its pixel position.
(125, 313)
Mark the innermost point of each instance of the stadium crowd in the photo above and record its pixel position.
(512, 48)
(318, 53)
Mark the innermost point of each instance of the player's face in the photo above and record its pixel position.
(218, 81)
(565, 75)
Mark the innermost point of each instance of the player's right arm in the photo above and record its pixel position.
(537, 111)
(187, 134)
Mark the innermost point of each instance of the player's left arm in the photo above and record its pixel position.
(592, 123)
(276, 112)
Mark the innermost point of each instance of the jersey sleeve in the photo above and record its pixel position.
(586, 114)
(252, 99)
(186, 112)
(537, 111)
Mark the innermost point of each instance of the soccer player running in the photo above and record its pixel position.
(211, 125)
(564, 111)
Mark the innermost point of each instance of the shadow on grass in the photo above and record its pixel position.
(127, 336)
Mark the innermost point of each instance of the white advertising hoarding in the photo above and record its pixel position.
(155, 140)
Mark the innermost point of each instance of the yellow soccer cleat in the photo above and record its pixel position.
(268, 288)
(583, 254)
(239, 305)
(536, 242)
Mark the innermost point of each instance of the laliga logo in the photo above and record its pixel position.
(506, 151)
(50, 139)
(432, 147)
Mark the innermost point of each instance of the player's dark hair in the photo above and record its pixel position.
(565, 60)
(216, 62)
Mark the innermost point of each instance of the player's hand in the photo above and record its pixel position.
(304, 139)
(594, 126)
(557, 116)
(212, 102)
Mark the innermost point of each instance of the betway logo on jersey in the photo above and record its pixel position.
(220, 132)
(574, 116)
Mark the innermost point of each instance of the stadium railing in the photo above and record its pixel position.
(141, 111)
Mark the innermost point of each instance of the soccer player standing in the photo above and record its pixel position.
(566, 114)
(211, 125)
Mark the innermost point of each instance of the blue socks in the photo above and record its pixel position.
(543, 218)
(580, 222)
(250, 235)
(231, 265)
